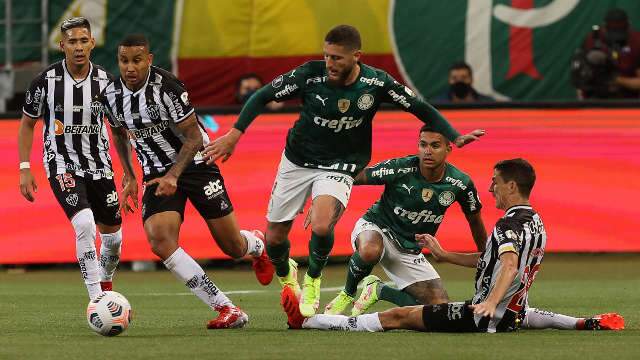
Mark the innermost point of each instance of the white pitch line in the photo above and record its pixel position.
(231, 292)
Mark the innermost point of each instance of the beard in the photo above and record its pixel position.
(342, 77)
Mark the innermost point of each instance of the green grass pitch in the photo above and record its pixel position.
(42, 316)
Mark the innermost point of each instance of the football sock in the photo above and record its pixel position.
(110, 254)
(319, 249)
(279, 255)
(358, 270)
(366, 322)
(191, 274)
(396, 296)
(85, 229)
(540, 319)
(255, 246)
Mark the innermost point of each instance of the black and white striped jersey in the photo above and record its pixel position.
(150, 116)
(520, 230)
(74, 133)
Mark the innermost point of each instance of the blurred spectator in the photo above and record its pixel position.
(248, 84)
(461, 86)
(613, 51)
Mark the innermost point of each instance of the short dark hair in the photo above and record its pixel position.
(520, 171)
(428, 128)
(344, 35)
(135, 40)
(461, 65)
(75, 22)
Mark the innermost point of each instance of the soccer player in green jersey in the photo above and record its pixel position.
(328, 145)
(418, 191)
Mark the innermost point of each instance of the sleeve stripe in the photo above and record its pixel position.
(186, 116)
(30, 115)
(506, 247)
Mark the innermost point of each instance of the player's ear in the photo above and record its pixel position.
(150, 58)
(357, 54)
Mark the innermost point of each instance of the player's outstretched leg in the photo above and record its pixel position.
(239, 243)
(162, 232)
(542, 319)
(85, 229)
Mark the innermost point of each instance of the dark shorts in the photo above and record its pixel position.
(449, 317)
(203, 185)
(75, 193)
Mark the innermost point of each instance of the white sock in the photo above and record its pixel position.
(110, 254)
(85, 228)
(191, 274)
(540, 319)
(255, 246)
(366, 322)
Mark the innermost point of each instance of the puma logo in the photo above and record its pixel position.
(293, 72)
(408, 188)
(321, 99)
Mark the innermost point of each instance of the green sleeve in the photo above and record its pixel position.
(469, 200)
(283, 87)
(403, 97)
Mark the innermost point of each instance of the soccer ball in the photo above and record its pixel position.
(109, 314)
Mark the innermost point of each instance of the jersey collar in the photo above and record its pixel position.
(68, 73)
(513, 209)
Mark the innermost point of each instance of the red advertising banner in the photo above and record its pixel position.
(587, 192)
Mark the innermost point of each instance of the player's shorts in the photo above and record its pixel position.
(75, 193)
(294, 184)
(202, 184)
(401, 267)
(449, 317)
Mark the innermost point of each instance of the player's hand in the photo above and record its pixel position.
(484, 309)
(222, 147)
(129, 190)
(167, 185)
(463, 140)
(431, 243)
(28, 186)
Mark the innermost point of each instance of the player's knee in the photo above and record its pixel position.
(370, 253)
(84, 224)
(322, 228)
(236, 249)
(277, 233)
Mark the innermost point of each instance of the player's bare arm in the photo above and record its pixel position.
(168, 183)
(463, 259)
(478, 231)
(463, 140)
(28, 186)
(506, 275)
(129, 182)
(223, 146)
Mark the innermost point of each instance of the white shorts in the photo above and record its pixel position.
(294, 184)
(402, 268)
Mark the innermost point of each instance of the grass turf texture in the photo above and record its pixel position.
(43, 317)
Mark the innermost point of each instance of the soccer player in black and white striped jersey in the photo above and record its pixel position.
(76, 152)
(150, 107)
(505, 271)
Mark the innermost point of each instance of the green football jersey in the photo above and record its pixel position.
(412, 205)
(334, 128)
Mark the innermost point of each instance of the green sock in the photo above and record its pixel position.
(358, 270)
(279, 255)
(319, 249)
(396, 296)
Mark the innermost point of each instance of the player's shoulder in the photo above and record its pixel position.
(455, 173)
(398, 166)
(374, 75)
(160, 76)
(102, 73)
(310, 68)
(515, 217)
(47, 73)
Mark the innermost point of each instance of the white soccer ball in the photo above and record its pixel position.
(109, 314)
